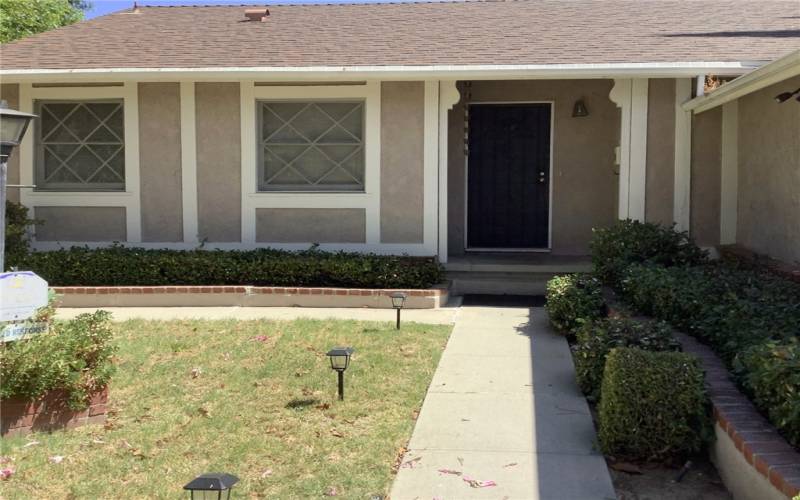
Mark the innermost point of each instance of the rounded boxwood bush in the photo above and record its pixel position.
(654, 405)
(595, 339)
(573, 299)
(627, 241)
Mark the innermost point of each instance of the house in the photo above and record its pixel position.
(419, 128)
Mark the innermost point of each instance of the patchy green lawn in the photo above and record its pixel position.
(217, 396)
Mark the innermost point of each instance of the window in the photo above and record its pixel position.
(311, 146)
(80, 146)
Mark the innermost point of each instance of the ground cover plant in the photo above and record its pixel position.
(253, 398)
(120, 266)
(595, 339)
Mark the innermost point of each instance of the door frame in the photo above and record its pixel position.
(549, 246)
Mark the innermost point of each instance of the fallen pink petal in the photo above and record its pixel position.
(475, 483)
(261, 338)
(6, 473)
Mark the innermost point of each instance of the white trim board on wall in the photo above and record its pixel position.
(252, 199)
(630, 95)
(130, 198)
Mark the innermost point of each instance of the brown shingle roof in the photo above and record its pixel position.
(421, 34)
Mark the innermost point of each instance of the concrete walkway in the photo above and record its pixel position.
(503, 406)
(443, 316)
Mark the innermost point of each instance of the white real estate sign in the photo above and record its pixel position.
(21, 294)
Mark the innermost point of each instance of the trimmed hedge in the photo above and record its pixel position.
(751, 318)
(573, 299)
(627, 242)
(770, 373)
(654, 405)
(123, 266)
(74, 356)
(595, 339)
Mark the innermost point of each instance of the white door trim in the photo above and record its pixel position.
(467, 248)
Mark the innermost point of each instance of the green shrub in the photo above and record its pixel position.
(595, 339)
(771, 375)
(17, 242)
(117, 265)
(654, 405)
(74, 356)
(627, 242)
(573, 299)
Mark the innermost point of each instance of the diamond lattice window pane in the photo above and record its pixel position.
(80, 145)
(312, 145)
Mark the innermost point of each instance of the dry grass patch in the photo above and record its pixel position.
(253, 398)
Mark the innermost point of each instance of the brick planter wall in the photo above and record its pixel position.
(245, 296)
(21, 416)
(753, 459)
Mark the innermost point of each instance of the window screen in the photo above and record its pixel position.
(311, 146)
(80, 146)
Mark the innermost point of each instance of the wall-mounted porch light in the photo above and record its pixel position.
(340, 360)
(211, 486)
(785, 96)
(398, 300)
(579, 110)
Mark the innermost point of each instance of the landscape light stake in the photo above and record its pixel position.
(398, 299)
(13, 125)
(340, 360)
(211, 486)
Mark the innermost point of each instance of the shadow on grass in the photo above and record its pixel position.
(300, 404)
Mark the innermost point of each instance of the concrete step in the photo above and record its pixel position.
(499, 266)
(498, 283)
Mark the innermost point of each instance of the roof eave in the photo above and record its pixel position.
(769, 74)
(451, 72)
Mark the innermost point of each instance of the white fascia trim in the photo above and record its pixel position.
(475, 72)
(774, 72)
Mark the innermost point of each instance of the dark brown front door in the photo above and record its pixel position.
(508, 176)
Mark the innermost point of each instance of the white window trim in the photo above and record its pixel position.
(129, 199)
(253, 199)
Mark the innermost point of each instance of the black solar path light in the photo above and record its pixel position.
(398, 300)
(211, 486)
(340, 360)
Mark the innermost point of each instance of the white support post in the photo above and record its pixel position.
(683, 156)
(430, 166)
(189, 163)
(247, 109)
(630, 95)
(729, 182)
(448, 97)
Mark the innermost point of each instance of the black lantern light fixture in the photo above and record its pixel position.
(214, 485)
(13, 125)
(785, 96)
(398, 300)
(340, 360)
(579, 110)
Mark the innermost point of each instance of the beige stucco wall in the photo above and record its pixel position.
(705, 177)
(10, 93)
(310, 225)
(769, 173)
(584, 176)
(218, 135)
(402, 137)
(660, 184)
(81, 223)
(160, 161)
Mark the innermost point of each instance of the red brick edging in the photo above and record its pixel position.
(266, 290)
(21, 416)
(754, 437)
